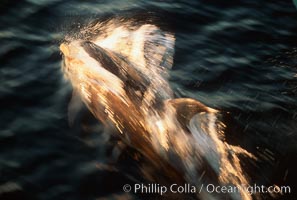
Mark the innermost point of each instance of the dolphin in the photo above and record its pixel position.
(122, 78)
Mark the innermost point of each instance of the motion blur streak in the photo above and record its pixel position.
(119, 68)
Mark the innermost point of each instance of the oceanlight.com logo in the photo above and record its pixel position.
(250, 189)
(155, 188)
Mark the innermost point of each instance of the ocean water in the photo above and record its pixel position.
(235, 56)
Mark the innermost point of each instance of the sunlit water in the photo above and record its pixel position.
(237, 58)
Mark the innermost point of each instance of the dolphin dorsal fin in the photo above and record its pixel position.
(203, 124)
(186, 108)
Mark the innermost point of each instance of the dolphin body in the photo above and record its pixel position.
(121, 76)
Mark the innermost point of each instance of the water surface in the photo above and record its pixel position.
(236, 56)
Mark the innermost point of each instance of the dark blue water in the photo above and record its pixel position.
(235, 56)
